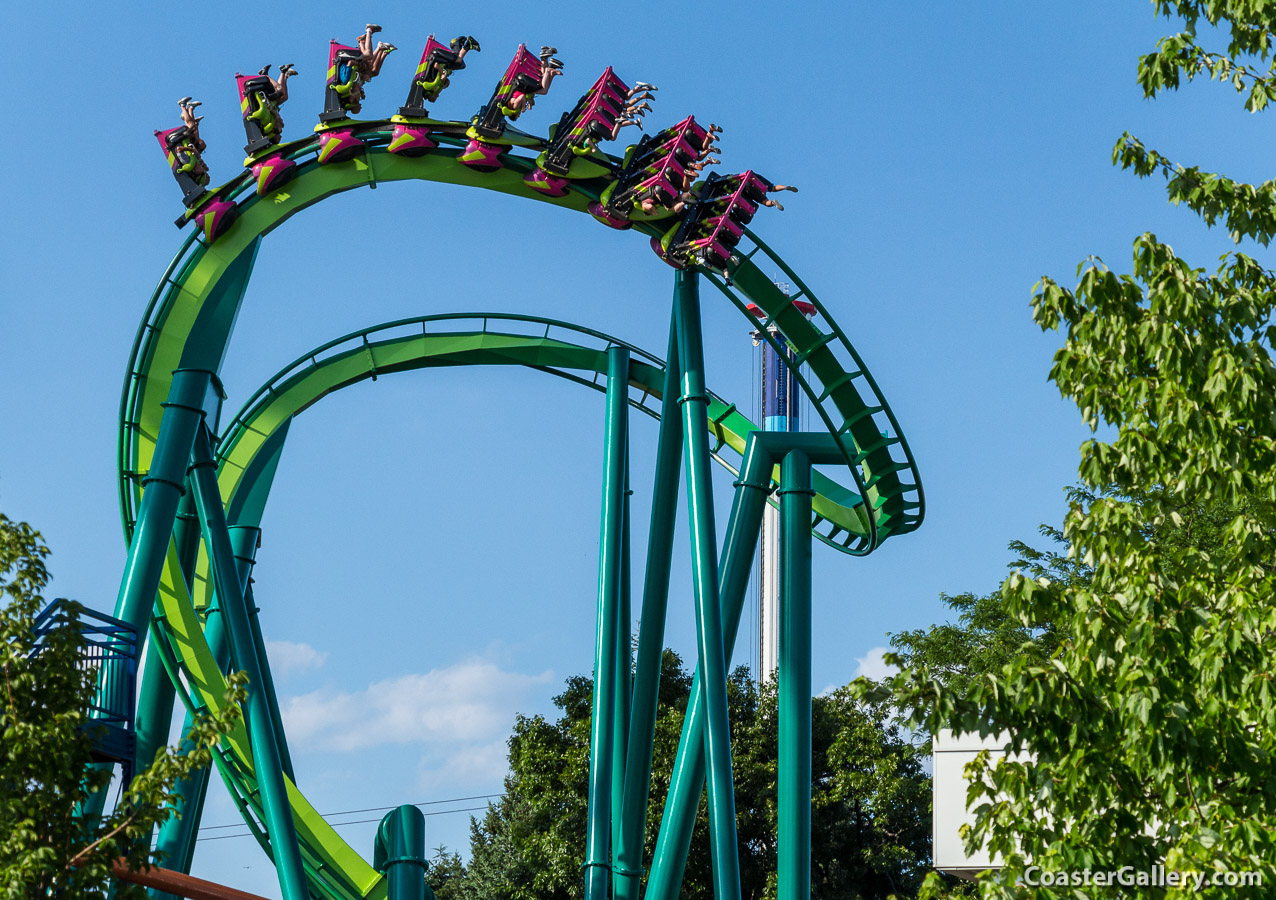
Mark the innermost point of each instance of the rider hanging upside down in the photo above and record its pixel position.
(767, 201)
(278, 95)
(711, 138)
(432, 87)
(373, 57)
(279, 86)
(520, 102)
(191, 121)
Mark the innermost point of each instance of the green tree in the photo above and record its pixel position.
(446, 874)
(45, 848)
(1153, 722)
(870, 804)
(986, 635)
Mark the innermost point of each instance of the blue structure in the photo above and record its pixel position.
(779, 390)
(110, 650)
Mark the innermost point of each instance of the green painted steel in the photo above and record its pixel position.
(763, 451)
(622, 686)
(175, 843)
(181, 414)
(178, 326)
(244, 540)
(187, 326)
(688, 775)
(265, 747)
(399, 851)
(156, 694)
(627, 864)
(251, 443)
(794, 800)
(712, 668)
(611, 550)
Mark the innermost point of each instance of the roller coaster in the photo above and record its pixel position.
(193, 491)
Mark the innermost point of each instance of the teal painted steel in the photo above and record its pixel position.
(177, 836)
(623, 685)
(165, 484)
(265, 750)
(610, 568)
(201, 296)
(627, 868)
(704, 567)
(244, 541)
(175, 844)
(157, 514)
(794, 805)
(399, 851)
(156, 694)
(688, 774)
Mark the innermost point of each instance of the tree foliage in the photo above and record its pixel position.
(870, 800)
(1153, 722)
(46, 849)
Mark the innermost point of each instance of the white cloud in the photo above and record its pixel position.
(287, 657)
(871, 664)
(462, 710)
(462, 766)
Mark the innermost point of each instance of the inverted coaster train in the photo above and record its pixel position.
(192, 496)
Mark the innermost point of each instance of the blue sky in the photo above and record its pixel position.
(429, 559)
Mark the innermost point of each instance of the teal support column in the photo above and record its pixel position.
(704, 565)
(399, 852)
(688, 776)
(610, 567)
(178, 835)
(265, 751)
(156, 695)
(623, 684)
(651, 635)
(163, 487)
(175, 844)
(794, 846)
(245, 540)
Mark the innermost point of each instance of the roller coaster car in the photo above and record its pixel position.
(723, 207)
(438, 62)
(654, 167)
(522, 77)
(343, 93)
(259, 105)
(187, 165)
(593, 118)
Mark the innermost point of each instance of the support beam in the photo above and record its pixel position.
(610, 568)
(245, 540)
(688, 776)
(178, 884)
(623, 685)
(399, 852)
(761, 453)
(156, 695)
(651, 635)
(175, 845)
(267, 764)
(163, 487)
(794, 845)
(712, 666)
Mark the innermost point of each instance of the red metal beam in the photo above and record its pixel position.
(179, 884)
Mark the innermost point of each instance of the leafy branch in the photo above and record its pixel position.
(1249, 210)
(1179, 56)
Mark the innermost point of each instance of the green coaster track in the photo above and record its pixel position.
(172, 392)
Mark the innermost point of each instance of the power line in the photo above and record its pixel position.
(351, 812)
(441, 812)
